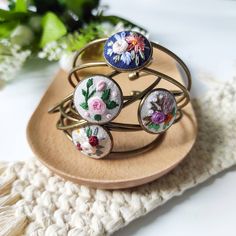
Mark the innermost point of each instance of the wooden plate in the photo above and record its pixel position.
(55, 151)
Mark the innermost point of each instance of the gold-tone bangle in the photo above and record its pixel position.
(155, 45)
(86, 115)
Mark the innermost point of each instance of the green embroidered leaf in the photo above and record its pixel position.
(99, 146)
(84, 105)
(106, 95)
(137, 60)
(90, 83)
(154, 126)
(92, 93)
(132, 54)
(84, 93)
(142, 54)
(97, 117)
(173, 111)
(89, 132)
(112, 105)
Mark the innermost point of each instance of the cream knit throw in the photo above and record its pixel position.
(32, 197)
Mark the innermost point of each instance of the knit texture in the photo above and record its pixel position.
(47, 205)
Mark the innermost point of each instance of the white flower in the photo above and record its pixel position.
(22, 35)
(53, 51)
(120, 46)
(4, 5)
(80, 136)
(66, 61)
(12, 58)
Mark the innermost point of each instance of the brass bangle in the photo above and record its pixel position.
(87, 114)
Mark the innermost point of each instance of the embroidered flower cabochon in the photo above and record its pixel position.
(157, 111)
(93, 141)
(98, 99)
(127, 50)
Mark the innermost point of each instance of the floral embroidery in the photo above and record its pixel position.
(161, 110)
(128, 47)
(92, 141)
(97, 99)
(97, 105)
(101, 85)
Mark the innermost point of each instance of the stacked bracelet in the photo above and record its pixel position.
(87, 114)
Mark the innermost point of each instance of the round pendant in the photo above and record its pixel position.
(93, 141)
(98, 99)
(157, 111)
(127, 51)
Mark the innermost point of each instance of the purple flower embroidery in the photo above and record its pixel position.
(158, 117)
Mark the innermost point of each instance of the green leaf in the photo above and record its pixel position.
(84, 105)
(97, 117)
(6, 28)
(92, 93)
(142, 54)
(84, 93)
(11, 15)
(137, 60)
(173, 111)
(21, 6)
(89, 132)
(132, 53)
(154, 126)
(106, 95)
(53, 29)
(112, 105)
(89, 83)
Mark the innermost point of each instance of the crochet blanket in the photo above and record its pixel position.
(34, 201)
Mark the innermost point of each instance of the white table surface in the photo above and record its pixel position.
(203, 33)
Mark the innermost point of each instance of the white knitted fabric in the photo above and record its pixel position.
(54, 206)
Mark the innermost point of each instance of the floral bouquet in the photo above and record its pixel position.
(51, 30)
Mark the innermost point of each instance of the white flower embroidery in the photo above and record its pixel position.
(120, 46)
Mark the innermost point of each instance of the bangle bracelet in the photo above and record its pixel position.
(87, 114)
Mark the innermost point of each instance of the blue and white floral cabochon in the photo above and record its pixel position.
(127, 50)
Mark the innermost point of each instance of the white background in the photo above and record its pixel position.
(203, 33)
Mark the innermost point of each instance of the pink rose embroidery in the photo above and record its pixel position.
(101, 85)
(96, 105)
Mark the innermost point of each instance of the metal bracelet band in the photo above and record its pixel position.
(155, 45)
(86, 114)
(185, 94)
(74, 116)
